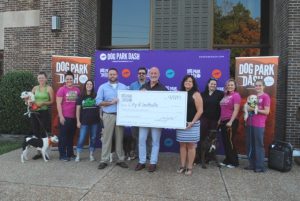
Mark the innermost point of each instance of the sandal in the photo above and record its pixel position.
(181, 170)
(188, 172)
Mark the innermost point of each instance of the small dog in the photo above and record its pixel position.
(209, 148)
(252, 102)
(41, 144)
(29, 99)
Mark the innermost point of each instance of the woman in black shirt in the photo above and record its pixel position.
(88, 118)
(211, 111)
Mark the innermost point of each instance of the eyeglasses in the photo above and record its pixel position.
(142, 73)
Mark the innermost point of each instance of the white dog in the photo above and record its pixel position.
(41, 144)
(252, 102)
(29, 99)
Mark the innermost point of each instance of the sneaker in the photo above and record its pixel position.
(73, 157)
(122, 164)
(77, 159)
(139, 166)
(230, 166)
(102, 166)
(152, 168)
(66, 159)
(223, 164)
(92, 158)
(259, 170)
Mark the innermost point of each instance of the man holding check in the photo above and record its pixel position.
(107, 99)
(152, 85)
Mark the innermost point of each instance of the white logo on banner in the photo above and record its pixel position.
(250, 72)
(171, 88)
(269, 81)
(103, 72)
(194, 72)
(83, 79)
(103, 57)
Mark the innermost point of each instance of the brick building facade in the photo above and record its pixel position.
(30, 46)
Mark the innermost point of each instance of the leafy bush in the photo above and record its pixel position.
(12, 107)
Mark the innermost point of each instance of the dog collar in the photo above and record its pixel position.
(49, 141)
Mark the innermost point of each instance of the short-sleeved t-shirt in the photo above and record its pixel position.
(89, 111)
(227, 105)
(259, 120)
(69, 97)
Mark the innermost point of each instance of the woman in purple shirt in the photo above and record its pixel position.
(230, 106)
(255, 130)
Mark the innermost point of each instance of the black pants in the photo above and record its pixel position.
(66, 138)
(231, 156)
(40, 123)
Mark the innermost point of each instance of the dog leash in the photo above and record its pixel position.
(250, 135)
(229, 130)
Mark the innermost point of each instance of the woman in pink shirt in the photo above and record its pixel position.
(230, 106)
(256, 128)
(66, 97)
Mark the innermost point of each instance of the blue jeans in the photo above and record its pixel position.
(143, 134)
(84, 129)
(66, 136)
(255, 147)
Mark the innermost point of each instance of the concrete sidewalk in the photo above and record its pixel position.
(58, 180)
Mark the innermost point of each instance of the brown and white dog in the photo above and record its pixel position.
(252, 102)
(41, 144)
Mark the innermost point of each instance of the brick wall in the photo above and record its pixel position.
(17, 5)
(76, 38)
(280, 45)
(286, 44)
(1, 62)
(78, 30)
(87, 28)
(21, 49)
(293, 73)
(64, 42)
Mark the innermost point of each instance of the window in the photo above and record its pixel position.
(123, 24)
(239, 25)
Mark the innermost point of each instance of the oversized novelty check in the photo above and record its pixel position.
(158, 109)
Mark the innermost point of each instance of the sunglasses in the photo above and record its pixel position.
(142, 73)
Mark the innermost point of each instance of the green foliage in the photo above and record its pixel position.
(12, 107)
(8, 146)
(236, 27)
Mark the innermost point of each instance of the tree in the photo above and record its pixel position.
(236, 27)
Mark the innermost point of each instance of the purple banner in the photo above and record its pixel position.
(173, 65)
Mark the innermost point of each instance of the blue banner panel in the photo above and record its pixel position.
(173, 66)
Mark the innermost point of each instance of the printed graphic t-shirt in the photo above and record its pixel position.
(89, 111)
(227, 105)
(69, 96)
